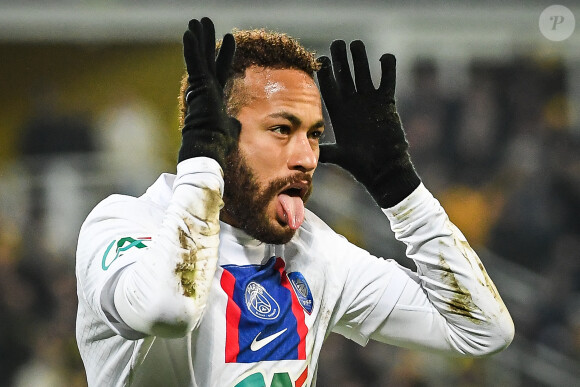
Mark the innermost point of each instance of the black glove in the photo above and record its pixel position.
(370, 140)
(207, 130)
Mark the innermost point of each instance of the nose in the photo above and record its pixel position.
(303, 154)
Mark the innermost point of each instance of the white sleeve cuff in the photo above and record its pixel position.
(405, 208)
(203, 172)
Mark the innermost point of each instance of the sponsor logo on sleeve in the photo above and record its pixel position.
(122, 245)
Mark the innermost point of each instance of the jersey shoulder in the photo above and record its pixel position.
(313, 223)
(318, 238)
(117, 206)
(150, 204)
(314, 226)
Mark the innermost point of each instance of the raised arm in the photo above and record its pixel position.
(450, 304)
(164, 290)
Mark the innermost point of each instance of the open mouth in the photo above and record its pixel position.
(291, 204)
(296, 190)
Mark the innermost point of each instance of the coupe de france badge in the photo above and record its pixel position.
(302, 290)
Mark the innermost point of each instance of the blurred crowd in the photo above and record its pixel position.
(68, 162)
(502, 155)
(504, 159)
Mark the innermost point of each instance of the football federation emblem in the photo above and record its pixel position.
(302, 290)
(260, 303)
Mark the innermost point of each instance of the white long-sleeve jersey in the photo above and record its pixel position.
(170, 296)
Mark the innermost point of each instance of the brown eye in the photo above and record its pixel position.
(316, 134)
(281, 129)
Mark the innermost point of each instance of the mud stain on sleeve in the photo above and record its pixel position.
(468, 252)
(461, 302)
(197, 243)
(404, 213)
(185, 270)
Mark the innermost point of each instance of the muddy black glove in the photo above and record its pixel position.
(208, 130)
(370, 140)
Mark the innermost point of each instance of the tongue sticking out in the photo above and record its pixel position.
(292, 210)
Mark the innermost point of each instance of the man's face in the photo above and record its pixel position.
(269, 178)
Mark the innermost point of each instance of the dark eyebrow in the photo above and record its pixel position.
(294, 120)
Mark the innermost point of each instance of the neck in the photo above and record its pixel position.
(227, 218)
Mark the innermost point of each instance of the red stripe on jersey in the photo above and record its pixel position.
(233, 314)
(302, 378)
(297, 310)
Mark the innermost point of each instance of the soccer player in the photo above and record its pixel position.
(219, 276)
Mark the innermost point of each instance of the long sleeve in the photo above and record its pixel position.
(165, 291)
(157, 279)
(450, 304)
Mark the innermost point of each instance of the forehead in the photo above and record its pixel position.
(271, 84)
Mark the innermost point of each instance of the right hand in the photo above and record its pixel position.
(208, 130)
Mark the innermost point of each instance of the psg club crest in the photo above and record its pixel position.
(302, 290)
(260, 303)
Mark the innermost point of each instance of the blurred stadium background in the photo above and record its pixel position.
(88, 93)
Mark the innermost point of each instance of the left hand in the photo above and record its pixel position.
(370, 140)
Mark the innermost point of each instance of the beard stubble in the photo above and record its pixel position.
(246, 203)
